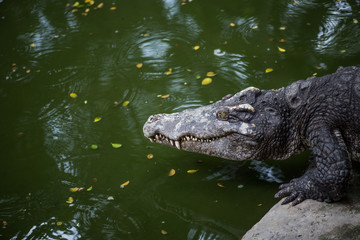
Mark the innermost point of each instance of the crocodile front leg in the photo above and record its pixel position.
(327, 182)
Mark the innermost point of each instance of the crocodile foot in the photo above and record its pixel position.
(305, 187)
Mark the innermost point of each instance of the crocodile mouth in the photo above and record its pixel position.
(160, 138)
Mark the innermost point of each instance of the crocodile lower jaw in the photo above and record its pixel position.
(177, 143)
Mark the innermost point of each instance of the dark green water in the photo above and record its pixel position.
(47, 52)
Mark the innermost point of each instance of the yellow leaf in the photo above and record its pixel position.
(192, 171)
(165, 96)
(113, 8)
(32, 45)
(92, 2)
(86, 1)
(73, 95)
(196, 48)
(76, 4)
(169, 72)
(163, 232)
(210, 74)
(232, 25)
(260, 204)
(116, 145)
(172, 172)
(74, 189)
(150, 156)
(97, 119)
(281, 49)
(59, 223)
(146, 34)
(282, 40)
(255, 27)
(356, 21)
(268, 70)
(100, 5)
(139, 65)
(70, 200)
(343, 51)
(87, 10)
(206, 81)
(125, 184)
(89, 189)
(220, 185)
(125, 103)
(282, 28)
(74, 10)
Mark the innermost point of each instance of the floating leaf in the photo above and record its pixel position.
(4, 223)
(94, 146)
(150, 156)
(76, 4)
(281, 49)
(139, 65)
(259, 205)
(232, 25)
(125, 184)
(356, 21)
(165, 96)
(192, 171)
(282, 28)
(87, 10)
(125, 103)
(32, 45)
(172, 172)
(206, 81)
(28, 71)
(116, 145)
(282, 40)
(220, 185)
(59, 223)
(94, 179)
(100, 5)
(97, 119)
(113, 8)
(91, 2)
(70, 200)
(255, 27)
(74, 189)
(73, 95)
(146, 34)
(210, 74)
(89, 189)
(110, 198)
(198, 77)
(196, 48)
(169, 72)
(343, 51)
(163, 232)
(86, 1)
(268, 70)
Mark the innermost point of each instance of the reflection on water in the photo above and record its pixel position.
(49, 51)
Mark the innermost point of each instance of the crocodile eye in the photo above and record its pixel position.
(222, 115)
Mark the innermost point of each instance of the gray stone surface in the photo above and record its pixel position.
(312, 219)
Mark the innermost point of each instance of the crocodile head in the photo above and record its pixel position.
(247, 125)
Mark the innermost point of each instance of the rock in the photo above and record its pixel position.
(312, 219)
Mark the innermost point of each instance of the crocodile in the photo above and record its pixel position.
(319, 113)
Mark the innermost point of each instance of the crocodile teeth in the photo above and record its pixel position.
(172, 142)
(151, 139)
(178, 145)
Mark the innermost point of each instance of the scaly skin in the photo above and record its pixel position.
(319, 113)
